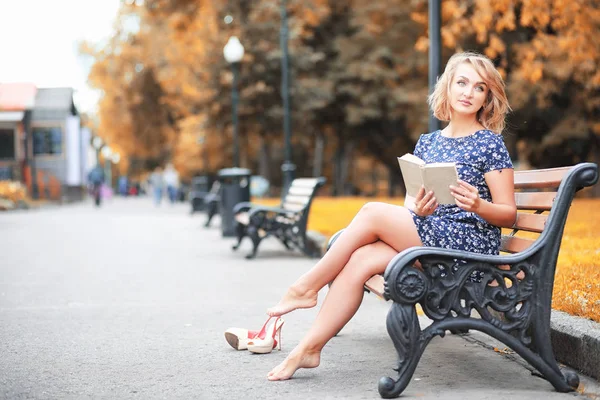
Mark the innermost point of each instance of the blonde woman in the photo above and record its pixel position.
(469, 95)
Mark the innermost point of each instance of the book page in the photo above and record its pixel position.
(411, 172)
(438, 177)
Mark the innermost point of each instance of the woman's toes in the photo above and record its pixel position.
(274, 372)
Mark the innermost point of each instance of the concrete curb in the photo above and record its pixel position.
(576, 342)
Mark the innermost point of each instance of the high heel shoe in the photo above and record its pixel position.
(238, 338)
(266, 345)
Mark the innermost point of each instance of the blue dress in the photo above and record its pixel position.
(450, 226)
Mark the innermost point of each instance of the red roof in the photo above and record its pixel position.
(17, 96)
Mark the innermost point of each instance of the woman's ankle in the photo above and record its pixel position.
(301, 290)
(308, 353)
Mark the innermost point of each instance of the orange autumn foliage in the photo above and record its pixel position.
(577, 281)
(539, 43)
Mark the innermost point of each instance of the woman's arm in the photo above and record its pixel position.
(501, 211)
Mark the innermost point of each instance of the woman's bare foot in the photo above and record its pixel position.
(292, 300)
(296, 360)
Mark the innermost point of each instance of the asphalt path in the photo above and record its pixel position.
(130, 301)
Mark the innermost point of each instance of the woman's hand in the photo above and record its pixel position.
(467, 196)
(425, 203)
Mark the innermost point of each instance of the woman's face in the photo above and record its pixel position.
(468, 90)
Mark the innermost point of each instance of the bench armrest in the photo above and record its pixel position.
(212, 197)
(405, 283)
(264, 209)
(425, 253)
(243, 207)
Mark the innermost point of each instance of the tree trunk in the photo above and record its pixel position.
(594, 191)
(319, 153)
(374, 179)
(342, 162)
(345, 171)
(264, 161)
(244, 162)
(392, 181)
(205, 158)
(337, 168)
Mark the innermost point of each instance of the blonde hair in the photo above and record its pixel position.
(493, 113)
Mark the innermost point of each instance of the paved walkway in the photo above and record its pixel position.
(130, 301)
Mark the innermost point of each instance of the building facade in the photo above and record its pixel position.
(42, 142)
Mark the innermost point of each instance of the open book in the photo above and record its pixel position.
(436, 177)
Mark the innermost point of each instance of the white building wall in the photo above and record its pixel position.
(73, 151)
(88, 158)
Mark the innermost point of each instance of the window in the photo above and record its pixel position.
(7, 144)
(47, 141)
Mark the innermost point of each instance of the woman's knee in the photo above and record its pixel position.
(369, 260)
(374, 208)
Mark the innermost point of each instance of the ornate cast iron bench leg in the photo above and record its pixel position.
(211, 211)
(254, 235)
(449, 300)
(404, 330)
(240, 233)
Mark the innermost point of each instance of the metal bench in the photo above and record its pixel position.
(287, 222)
(513, 300)
(198, 190)
(211, 202)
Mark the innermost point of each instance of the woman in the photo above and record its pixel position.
(470, 95)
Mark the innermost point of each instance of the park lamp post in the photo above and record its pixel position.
(116, 157)
(435, 54)
(97, 145)
(107, 153)
(287, 168)
(234, 52)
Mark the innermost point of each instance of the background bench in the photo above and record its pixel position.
(512, 302)
(287, 222)
(198, 190)
(211, 202)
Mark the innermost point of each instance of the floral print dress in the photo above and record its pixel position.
(450, 226)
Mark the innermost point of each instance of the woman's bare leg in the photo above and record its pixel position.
(342, 301)
(375, 221)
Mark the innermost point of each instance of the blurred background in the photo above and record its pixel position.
(308, 88)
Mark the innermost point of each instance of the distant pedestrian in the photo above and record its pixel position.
(122, 185)
(96, 179)
(171, 178)
(157, 184)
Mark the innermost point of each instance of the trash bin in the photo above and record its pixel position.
(235, 188)
(198, 191)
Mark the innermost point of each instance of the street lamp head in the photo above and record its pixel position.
(97, 142)
(106, 151)
(116, 157)
(233, 50)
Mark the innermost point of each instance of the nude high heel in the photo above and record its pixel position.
(266, 345)
(238, 338)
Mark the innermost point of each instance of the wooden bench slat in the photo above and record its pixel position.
(302, 200)
(375, 285)
(300, 191)
(293, 207)
(535, 200)
(542, 178)
(513, 244)
(305, 182)
(529, 222)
